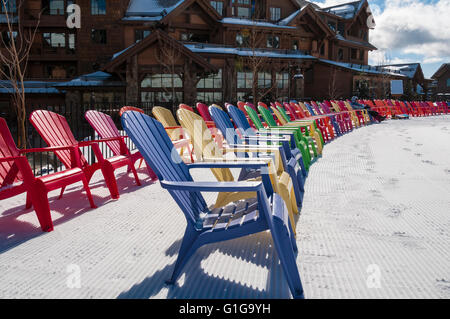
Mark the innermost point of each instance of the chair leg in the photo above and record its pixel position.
(286, 253)
(188, 247)
(41, 206)
(110, 179)
(151, 173)
(62, 192)
(88, 192)
(28, 201)
(133, 169)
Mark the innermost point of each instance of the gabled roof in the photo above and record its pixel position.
(444, 67)
(156, 36)
(355, 42)
(345, 10)
(307, 9)
(158, 10)
(151, 9)
(407, 69)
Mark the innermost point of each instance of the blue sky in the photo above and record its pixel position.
(409, 31)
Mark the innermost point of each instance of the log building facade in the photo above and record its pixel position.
(155, 51)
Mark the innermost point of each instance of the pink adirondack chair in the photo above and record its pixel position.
(16, 176)
(55, 131)
(106, 129)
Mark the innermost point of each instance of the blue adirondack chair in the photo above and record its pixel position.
(265, 212)
(291, 166)
(248, 133)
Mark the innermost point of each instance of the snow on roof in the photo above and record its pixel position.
(36, 87)
(150, 10)
(289, 18)
(286, 54)
(345, 10)
(253, 23)
(363, 68)
(408, 69)
(366, 44)
(98, 78)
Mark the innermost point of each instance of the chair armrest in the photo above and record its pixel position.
(10, 158)
(74, 153)
(109, 139)
(252, 163)
(213, 186)
(47, 149)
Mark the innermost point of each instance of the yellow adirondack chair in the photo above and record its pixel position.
(206, 149)
(364, 113)
(351, 112)
(296, 123)
(173, 129)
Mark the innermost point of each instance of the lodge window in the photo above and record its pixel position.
(242, 8)
(98, 7)
(98, 36)
(195, 37)
(218, 5)
(264, 80)
(59, 71)
(340, 54)
(332, 25)
(244, 80)
(275, 14)
(353, 54)
(162, 88)
(273, 42)
(282, 80)
(448, 82)
(55, 40)
(322, 49)
(361, 55)
(6, 37)
(295, 45)
(59, 40)
(10, 5)
(341, 28)
(242, 40)
(55, 7)
(139, 35)
(209, 89)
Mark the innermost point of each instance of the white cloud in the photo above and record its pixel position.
(413, 27)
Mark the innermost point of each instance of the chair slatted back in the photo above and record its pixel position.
(55, 131)
(156, 147)
(105, 127)
(9, 173)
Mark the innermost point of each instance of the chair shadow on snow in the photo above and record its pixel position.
(195, 283)
(14, 231)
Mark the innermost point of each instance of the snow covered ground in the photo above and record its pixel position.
(375, 224)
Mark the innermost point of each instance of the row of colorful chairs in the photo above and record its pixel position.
(393, 108)
(271, 145)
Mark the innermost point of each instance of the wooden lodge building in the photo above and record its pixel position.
(159, 51)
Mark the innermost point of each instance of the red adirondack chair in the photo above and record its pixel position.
(106, 129)
(130, 108)
(16, 176)
(55, 131)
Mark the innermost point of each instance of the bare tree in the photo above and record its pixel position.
(168, 57)
(333, 89)
(257, 60)
(14, 55)
(384, 76)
